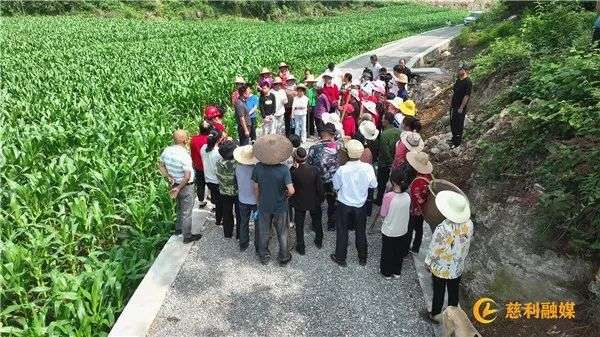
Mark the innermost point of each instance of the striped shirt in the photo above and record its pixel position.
(177, 160)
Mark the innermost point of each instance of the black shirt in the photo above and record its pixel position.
(241, 112)
(267, 105)
(461, 89)
(308, 186)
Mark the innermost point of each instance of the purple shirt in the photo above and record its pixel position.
(322, 106)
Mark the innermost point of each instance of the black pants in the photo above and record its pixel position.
(347, 216)
(311, 121)
(393, 250)
(416, 225)
(439, 289)
(245, 211)
(596, 35)
(253, 129)
(228, 202)
(457, 125)
(319, 125)
(287, 120)
(383, 175)
(200, 183)
(330, 198)
(243, 139)
(317, 226)
(215, 198)
(369, 202)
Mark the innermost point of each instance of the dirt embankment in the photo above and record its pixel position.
(506, 261)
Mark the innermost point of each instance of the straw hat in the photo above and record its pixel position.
(277, 80)
(396, 102)
(408, 107)
(355, 149)
(412, 141)
(419, 161)
(301, 86)
(226, 149)
(272, 149)
(310, 78)
(291, 78)
(244, 155)
(402, 78)
(454, 206)
(369, 130)
(370, 106)
(265, 70)
(283, 64)
(239, 79)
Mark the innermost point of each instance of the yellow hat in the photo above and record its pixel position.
(408, 107)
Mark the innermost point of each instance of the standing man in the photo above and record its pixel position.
(280, 103)
(352, 181)
(290, 91)
(324, 156)
(387, 149)
(311, 93)
(458, 109)
(448, 250)
(267, 105)
(242, 115)
(176, 166)
(272, 185)
(374, 66)
(239, 80)
(403, 69)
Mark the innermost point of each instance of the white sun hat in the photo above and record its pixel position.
(369, 130)
(453, 206)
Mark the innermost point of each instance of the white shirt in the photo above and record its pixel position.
(375, 69)
(209, 161)
(300, 105)
(352, 182)
(395, 209)
(177, 160)
(280, 101)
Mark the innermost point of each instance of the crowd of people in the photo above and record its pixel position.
(368, 160)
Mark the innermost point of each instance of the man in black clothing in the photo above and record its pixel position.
(403, 69)
(308, 197)
(266, 104)
(458, 108)
(244, 124)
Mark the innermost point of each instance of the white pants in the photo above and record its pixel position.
(278, 126)
(300, 126)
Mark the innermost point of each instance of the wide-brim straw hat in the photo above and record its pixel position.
(283, 64)
(354, 148)
(239, 79)
(402, 78)
(301, 86)
(412, 141)
(396, 102)
(245, 155)
(310, 78)
(453, 206)
(277, 80)
(291, 78)
(408, 107)
(272, 149)
(370, 106)
(420, 162)
(265, 71)
(369, 130)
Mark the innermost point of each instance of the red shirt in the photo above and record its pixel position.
(219, 127)
(400, 155)
(349, 125)
(332, 92)
(418, 193)
(195, 146)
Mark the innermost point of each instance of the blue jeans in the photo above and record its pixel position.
(300, 126)
(245, 212)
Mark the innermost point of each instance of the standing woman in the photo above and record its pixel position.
(228, 187)
(421, 168)
(196, 144)
(299, 112)
(210, 157)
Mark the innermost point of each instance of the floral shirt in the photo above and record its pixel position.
(226, 176)
(449, 248)
(324, 156)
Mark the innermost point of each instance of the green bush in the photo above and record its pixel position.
(504, 55)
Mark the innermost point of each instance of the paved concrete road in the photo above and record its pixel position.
(221, 291)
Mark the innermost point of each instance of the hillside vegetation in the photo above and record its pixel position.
(555, 107)
(87, 106)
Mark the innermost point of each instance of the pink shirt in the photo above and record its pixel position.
(399, 155)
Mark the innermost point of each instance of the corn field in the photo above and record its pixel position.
(86, 106)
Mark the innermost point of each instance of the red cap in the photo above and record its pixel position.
(211, 112)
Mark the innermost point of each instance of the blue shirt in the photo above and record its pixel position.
(272, 181)
(243, 176)
(251, 103)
